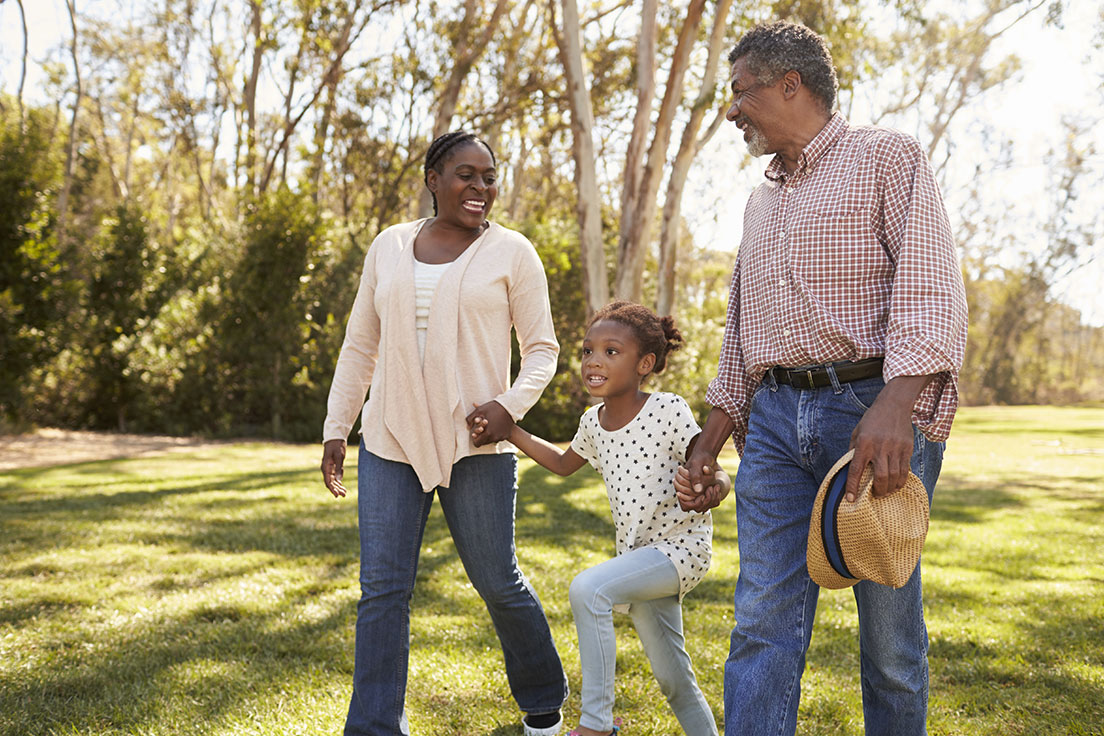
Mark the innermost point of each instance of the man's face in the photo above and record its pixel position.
(750, 109)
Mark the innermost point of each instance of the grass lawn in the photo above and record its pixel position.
(214, 593)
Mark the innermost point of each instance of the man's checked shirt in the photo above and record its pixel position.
(849, 257)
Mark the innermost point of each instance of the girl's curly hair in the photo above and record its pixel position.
(654, 334)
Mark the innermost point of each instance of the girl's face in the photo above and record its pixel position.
(611, 361)
(466, 187)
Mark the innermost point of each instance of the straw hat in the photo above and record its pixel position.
(875, 539)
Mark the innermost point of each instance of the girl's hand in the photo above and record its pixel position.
(333, 466)
(716, 485)
(489, 423)
(682, 483)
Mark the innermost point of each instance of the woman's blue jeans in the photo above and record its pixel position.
(794, 437)
(479, 509)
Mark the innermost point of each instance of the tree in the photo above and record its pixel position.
(642, 182)
(259, 338)
(32, 289)
(689, 147)
(70, 150)
(588, 200)
(122, 295)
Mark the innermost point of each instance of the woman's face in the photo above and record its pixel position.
(466, 187)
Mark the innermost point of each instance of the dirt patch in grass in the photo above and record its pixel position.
(46, 447)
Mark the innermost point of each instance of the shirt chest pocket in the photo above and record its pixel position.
(837, 247)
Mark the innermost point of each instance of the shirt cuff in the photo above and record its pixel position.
(332, 430)
(916, 356)
(723, 398)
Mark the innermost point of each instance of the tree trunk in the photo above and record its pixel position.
(636, 224)
(588, 203)
(642, 120)
(70, 148)
(519, 178)
(689, 147)
(249, 99)
(22, 70)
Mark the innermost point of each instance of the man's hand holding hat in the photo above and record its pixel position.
(883, 437)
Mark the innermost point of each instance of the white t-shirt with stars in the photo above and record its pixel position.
(638, 464)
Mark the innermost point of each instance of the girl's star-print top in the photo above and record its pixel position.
(638, 464)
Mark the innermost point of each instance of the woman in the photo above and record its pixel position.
(429, 332)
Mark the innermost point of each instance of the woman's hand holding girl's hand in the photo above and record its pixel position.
(489, 423)
(333, 466)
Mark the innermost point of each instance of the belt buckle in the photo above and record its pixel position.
(809, 375)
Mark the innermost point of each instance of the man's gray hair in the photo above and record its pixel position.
(772, 49)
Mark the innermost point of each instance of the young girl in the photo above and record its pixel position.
(636, 441)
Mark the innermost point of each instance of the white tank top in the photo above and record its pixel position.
(426, 276)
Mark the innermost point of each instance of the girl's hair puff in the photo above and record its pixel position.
(442, 148)
(653, 333)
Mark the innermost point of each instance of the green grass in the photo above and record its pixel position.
(214, 593)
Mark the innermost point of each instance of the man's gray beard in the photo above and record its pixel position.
(757, 142)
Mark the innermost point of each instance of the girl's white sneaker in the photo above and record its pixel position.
(549, 731)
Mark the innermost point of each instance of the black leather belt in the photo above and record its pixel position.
(816, 376)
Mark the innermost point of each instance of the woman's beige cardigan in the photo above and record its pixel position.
(416, 411)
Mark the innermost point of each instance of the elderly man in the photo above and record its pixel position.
(846, 329)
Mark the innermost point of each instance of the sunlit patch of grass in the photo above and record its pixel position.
(214, 593)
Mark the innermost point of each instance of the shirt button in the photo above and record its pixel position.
(786, 331)
(781, 282)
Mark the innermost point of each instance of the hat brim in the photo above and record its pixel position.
(872, 538)
(820, 568)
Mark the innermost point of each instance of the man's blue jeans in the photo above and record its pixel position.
(794, 437)
(479, 509)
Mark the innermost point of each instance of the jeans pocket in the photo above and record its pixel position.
(862, 393)
(756, 393)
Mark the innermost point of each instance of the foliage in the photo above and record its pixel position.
(126, 273)
(556, 415)
(214, 593)
(33, 289)
(265, 321)
(1025, 346)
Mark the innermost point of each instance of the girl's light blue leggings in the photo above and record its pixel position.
(649, 581)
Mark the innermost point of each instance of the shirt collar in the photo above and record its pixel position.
(832, 131)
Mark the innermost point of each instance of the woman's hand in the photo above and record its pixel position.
(489, 423)
(333, 466)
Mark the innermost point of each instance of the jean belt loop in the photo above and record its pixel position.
(772, 382)
(836, 387)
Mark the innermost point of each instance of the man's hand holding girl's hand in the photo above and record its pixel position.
(712, 489)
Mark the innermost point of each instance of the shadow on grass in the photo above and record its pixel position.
(1042, 675)
(209, 663)
(100, 506)
(206, 662)
(560, 519)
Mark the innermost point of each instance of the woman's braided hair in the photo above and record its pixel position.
(441, 150)
(655, 334)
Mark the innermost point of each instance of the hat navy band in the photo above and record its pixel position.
(828, 531)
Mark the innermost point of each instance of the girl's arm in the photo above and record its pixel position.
(547, 455)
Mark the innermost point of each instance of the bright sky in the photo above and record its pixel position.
(1057, 79)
